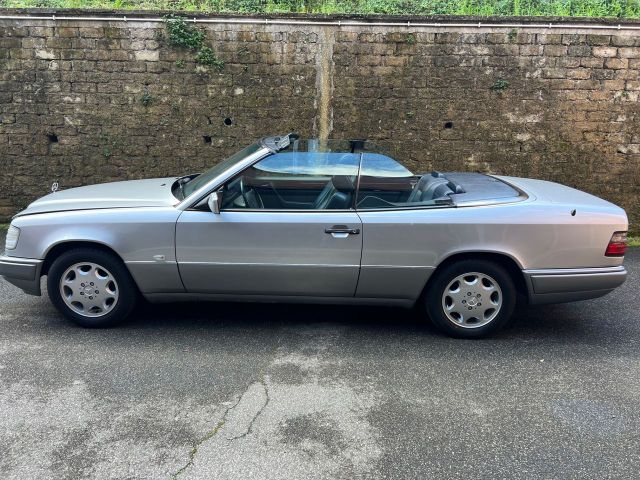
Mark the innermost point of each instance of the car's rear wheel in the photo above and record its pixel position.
(91, 287)
(471, 298)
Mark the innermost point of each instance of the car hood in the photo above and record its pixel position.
(155, 192)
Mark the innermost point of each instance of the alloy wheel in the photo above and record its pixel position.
(472, 300)
(89, 289)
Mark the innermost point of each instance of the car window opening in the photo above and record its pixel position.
(314, 174)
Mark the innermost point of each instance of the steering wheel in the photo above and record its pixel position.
(243, 193)
(257, 201)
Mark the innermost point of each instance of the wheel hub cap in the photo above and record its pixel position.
(472, 300)
(89, 289)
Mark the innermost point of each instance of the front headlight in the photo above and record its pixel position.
(12, 238)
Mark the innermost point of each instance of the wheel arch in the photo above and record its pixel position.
(128, 289)
(57, 249)
(508, 262)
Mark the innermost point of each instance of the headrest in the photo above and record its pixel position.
(343, 183)
(428, 181)
(441, 191)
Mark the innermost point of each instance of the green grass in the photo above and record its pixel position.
(565, 8)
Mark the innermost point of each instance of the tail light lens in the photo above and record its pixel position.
(617, 245)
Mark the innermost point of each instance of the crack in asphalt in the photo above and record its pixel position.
(209, 435)
(221, 423)
(258, 413)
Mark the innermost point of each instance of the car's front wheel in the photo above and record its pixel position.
(91, 287)
(471, 298)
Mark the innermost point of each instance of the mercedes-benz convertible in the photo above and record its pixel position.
(302, 221)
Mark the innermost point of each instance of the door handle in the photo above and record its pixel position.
(342, 229)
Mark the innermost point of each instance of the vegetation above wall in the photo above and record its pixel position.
(564, 8)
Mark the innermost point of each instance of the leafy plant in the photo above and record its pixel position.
(205, 56)
(109, 145)
(500, 85)
(184, 35)
(146, 98)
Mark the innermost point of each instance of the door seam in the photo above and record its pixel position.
(175, 250)
(355, 292)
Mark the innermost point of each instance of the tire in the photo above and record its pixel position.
(91, 287)
(455, 295)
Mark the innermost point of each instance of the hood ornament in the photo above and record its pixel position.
(54, 187)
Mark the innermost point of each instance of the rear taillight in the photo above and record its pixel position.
(617, 245)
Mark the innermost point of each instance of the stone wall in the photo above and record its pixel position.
(93, 101)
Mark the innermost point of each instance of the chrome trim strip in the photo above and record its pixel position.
(271, 264)
(568, 284)
(409, 207)
(498, 201)
(6, 260)
(364, 210)
(397, 266)
(575, 271)
(150, 262)
(297, 210)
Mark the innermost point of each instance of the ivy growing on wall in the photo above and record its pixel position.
(184, 35)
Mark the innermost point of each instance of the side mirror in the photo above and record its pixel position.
(214, 201)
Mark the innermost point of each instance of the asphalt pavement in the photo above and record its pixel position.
(241, 391)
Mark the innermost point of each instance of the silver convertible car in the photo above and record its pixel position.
(292, 220)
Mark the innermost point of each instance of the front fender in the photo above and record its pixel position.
(144, 238)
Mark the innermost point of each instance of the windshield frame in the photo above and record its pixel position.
(198, 195)
(197, 181)
(266, 146)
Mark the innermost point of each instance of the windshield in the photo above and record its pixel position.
(334, 163)
(212, 173)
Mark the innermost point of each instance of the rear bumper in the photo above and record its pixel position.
(24, 273)
(567, 285)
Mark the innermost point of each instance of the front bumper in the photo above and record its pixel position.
(559, 285)
(24, 273)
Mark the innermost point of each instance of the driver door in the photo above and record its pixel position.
(302, 239)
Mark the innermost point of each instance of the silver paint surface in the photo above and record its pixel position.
(170, 247)
(153, 192)
(268, 253)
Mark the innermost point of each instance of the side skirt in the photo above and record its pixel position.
(213, 297)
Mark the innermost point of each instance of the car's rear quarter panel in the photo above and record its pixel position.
(402, 248)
